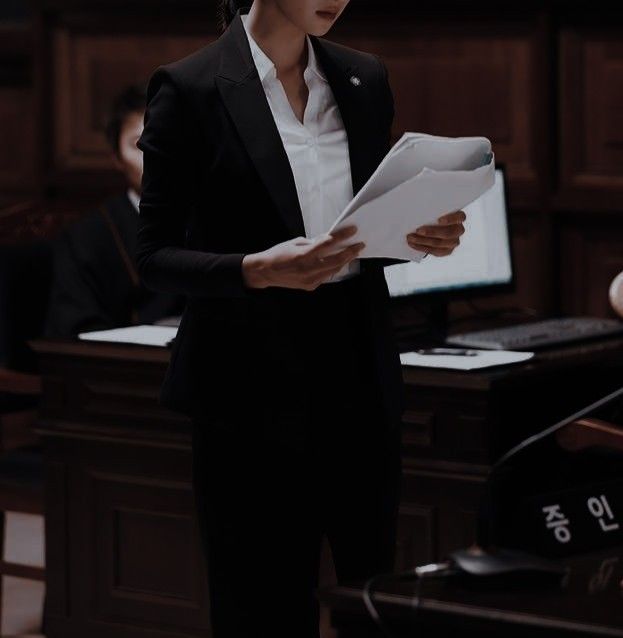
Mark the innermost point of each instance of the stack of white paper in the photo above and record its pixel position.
(144, 334)
(421, 178)
(484, 359)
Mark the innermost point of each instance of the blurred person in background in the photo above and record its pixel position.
(616, 294)
(95, 283)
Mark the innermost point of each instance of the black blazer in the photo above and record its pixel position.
(93, 286)
(217, 184)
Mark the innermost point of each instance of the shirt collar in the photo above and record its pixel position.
(134, 197)
(265, 65)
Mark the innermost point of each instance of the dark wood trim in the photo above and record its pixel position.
(22, 571)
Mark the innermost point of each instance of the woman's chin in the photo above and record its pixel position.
(321, 23)
(319, 28)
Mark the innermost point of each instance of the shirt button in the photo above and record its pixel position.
(310, 142)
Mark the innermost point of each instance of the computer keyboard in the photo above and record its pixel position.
(538, 334)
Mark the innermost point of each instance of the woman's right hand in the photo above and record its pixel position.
(300, 262)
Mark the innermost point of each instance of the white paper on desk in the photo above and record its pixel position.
(144, 334)
(420, 179)
(484, 359)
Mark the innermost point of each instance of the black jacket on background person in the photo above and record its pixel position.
(95, 285)
(217, 184)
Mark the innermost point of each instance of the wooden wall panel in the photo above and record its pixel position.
(534, 259)
(149, 569)
(18, 138)
(438, 514)
(542, 80)
(591, 114)
(591, 255)
(532, 253)
(417, 536)
(17, 150)
(90, 69)
(469, 81)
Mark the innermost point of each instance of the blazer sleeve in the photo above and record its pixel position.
(168, 189)
(387, 108)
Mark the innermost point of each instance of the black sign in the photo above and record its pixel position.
(578, 520)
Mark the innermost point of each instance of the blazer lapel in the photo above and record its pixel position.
(353, 98)
(242, 93)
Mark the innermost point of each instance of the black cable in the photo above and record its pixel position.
(368, 593)
(550, 430)
(417, 574)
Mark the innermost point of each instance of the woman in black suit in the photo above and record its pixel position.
(285, 357)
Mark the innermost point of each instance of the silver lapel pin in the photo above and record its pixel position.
(354, 80)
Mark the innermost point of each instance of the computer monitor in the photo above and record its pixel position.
(481, 263)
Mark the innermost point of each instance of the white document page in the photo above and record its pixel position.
(144, 334)
(415, 151)
(484, 359)
(420, 179)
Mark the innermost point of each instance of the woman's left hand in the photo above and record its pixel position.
(439, 239)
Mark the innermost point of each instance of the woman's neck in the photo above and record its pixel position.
(281, 40)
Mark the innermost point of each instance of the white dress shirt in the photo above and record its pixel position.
(317, 148)
(134, 197)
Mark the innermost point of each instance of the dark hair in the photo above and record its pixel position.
(227, 9)
(132, 99)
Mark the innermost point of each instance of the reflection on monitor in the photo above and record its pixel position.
(482, 258)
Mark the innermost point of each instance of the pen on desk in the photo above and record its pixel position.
(460, 352)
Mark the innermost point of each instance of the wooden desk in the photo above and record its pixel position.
(587, 603)
(122, 554)
(458, 423)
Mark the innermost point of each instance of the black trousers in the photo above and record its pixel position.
(264, 506)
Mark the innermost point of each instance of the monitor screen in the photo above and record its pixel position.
(482, 259)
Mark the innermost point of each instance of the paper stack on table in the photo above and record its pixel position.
(144, 334)
(421, 178)
(482, 359)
